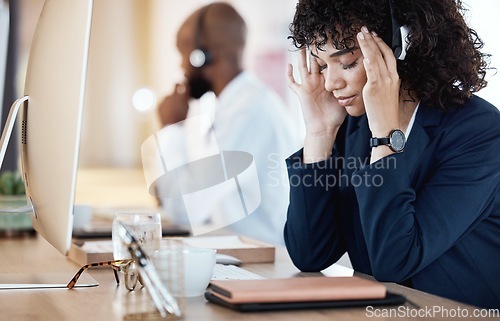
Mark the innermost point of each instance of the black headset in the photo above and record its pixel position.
(200, 56)
(396, 38)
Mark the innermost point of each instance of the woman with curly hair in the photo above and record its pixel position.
(400, 166)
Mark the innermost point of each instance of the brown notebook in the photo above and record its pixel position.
(302, 289)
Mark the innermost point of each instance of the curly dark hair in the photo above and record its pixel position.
(443, 64)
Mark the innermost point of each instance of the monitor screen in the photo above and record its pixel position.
(52, 116)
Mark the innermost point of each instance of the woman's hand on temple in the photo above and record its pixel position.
(322, 114)
(381, 92)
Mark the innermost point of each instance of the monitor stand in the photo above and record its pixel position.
(36, 280)
(59, 280)
(9, 125)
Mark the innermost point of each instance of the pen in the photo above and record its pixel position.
(162, 299)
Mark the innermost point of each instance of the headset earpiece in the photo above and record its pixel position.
(400, 50)
(200, 57)
(398, 37)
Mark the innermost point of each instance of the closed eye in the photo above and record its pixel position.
(349, 66)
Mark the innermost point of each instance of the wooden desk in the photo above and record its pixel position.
(103, 302)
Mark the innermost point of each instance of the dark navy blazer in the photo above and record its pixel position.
(428, 217)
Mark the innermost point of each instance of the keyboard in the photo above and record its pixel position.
(231, 272)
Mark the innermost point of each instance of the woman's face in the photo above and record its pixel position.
(344, 75)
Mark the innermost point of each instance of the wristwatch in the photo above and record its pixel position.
(396, 141)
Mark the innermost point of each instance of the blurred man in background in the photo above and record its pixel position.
(247, 117)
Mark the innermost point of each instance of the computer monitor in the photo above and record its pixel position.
(52, 116)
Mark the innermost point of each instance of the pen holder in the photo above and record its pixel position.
(169, 263)
(138, 304)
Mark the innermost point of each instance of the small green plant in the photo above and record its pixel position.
(11, 183)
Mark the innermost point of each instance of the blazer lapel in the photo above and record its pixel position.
(421, 135)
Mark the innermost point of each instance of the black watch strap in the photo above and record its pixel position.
(396, 141)
(376, 141)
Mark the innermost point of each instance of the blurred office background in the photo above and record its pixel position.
(133, 47)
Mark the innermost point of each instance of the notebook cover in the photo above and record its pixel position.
(246, 249)
(297, 289)
(390, 299)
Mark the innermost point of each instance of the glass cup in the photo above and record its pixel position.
(185, 271)
(146, 228)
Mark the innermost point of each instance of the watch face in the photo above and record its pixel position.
(397, 140)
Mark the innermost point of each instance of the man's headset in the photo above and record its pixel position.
(200, 56)
(397, 37)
